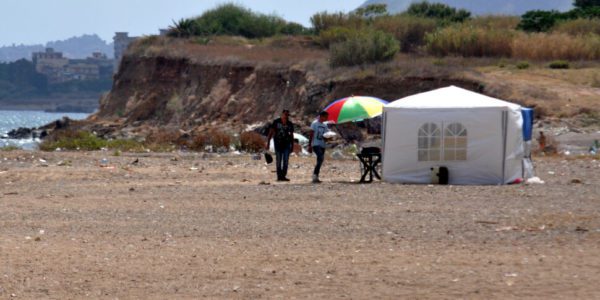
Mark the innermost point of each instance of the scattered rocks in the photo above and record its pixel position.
(22, 133)
(64, 163)
(337, 155)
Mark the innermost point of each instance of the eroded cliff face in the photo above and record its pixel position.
(178, 93)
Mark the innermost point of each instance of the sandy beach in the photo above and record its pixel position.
(191, 226)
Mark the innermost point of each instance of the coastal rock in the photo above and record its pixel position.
(20, 133)
(26, 133)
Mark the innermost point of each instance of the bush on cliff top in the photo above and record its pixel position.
(87, 141)
(466, 40)
(440, 11)
(232, 19)
(364, 47)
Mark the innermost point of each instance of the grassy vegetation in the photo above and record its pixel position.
(467, 40)
(578, 27)
(9, 148)
(522, 65)
(365, 46)
(439, 11)
(431, 28)
(86, 141)
(556, 46)
(410, 31)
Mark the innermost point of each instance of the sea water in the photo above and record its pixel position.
(10, 120)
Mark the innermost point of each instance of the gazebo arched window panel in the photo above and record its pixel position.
(430, 138)
(455, 142)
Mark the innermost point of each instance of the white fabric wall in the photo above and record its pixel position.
(484, 151)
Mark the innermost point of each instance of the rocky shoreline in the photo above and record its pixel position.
(24, 133)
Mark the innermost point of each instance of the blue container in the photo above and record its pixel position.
(528, 115)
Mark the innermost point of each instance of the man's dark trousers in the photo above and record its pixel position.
(282, 157)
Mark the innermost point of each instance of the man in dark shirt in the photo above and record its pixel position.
(282, 132)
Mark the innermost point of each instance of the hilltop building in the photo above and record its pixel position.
(121, 42)
(50, 63)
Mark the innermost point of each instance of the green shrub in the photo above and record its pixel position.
(292, 28)
(261, 26)
(161, 141)
(235, 20)
(523, 65)
(586, 3)
(73, 140)
(588, 12)
(559, 64)
(438, 11)
(539, 20)
(324, 20)
(183, 28)
(334, 35)
(409, 31)
(373, 10)
(495, 22)
(543, 21)
(9, 148)
(364, 47)
(465, 40)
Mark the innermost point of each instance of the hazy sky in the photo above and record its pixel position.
(39, 21)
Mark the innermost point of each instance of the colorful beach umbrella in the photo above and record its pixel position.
(354, 108)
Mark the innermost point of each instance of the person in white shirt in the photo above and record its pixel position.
(317, 143)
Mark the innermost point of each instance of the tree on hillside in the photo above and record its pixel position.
(373, 10)
(438, 11)
(22, 73)
(539, 20)
(586, 3)
(232, 19)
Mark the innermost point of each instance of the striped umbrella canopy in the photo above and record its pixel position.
(355, 108)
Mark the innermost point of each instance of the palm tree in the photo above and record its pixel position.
(184, 28)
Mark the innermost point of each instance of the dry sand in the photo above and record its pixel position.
(207, 228)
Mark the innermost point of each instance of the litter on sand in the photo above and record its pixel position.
(535, 180)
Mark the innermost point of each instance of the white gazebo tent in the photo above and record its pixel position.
(478, 138)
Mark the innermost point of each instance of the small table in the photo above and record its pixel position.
(369, 163)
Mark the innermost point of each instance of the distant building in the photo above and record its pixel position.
(98, 55)
(81, 71)
(61, 69)
(48, 54)
(51, 64)
(121, 42)
(105, 65)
